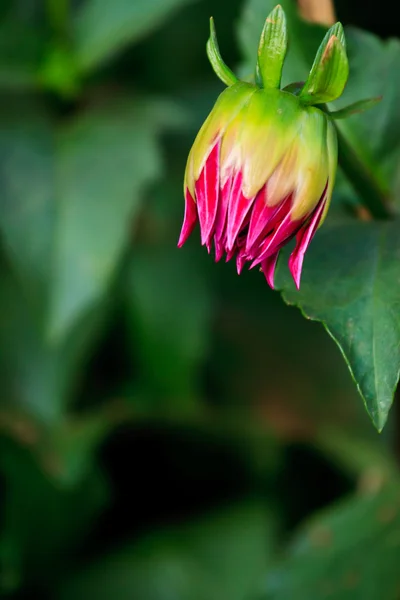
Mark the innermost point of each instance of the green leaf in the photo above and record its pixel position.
(169, 310)
(21, 49)
(220, 557)
(272, 49)
(27, 203)
(101, 29)
(330, 71)
(43, 522)
(106, 159)
(214, 56)
(355, 108)
(37, 378)
(349, 552)
(350, 284)
(374, 134)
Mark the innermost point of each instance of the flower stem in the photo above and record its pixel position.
(363, 180)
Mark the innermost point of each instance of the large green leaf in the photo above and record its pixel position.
(350, 552)
(67, 199)
(37, 378)
(169, 310)
(351, 283)
(22, 44)
(27, 202)
(350, 280)
(105, 160)
(44, 523)
(220, 557)
(103, 28)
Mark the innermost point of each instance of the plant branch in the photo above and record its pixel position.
(375, 199)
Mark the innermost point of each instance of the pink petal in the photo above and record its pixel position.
(303, 239)
(240, 262)
(219, 249)
(230, 254)
(207, 191)
(274, 242)
(189, 220)
(268, 267)
(265, 218)
(223, 202)
(238, 209)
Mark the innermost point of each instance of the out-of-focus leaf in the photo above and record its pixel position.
(68, 197)
(220, 557)
(66, 205)
(43, 522)
(102, 29)
(351, 551)
(351, 283)
(37, 377)
(169, 310)
(27, 202)
(21, 49)
(106, 158)
(374, 133)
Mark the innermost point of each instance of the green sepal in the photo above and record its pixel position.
(356, 107)
(220, 68)
(272, 49)
(294, 88)
(330, 71)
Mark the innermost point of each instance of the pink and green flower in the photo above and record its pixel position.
(262, 168)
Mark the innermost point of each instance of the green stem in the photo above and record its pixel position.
(374, 198)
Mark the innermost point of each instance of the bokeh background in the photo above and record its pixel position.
(169, 430)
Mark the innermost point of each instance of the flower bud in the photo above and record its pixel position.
(262, 167)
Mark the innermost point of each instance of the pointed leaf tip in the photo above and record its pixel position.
(330, 71)
(214, 56)
(338, 31)
(272, 49)
(355, 108)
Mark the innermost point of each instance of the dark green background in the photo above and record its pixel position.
(166, 426)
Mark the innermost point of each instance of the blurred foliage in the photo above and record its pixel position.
(166, 424)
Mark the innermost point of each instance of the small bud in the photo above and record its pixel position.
(330, 71)
(272, 50)
(262, 167)
(260, 172)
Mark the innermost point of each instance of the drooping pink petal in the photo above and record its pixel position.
(264, 219)
(223, 202)
(230, 254)
(278, 238)
(220, 220)
(238, 210)
(207, 192)
(268, 267)
(189, 220)
(219, 249)
(241, 259)
(303, 239)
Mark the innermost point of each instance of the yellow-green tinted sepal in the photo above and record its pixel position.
(220, 68)
(355, 108)
(330, 71)
(272, 50)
